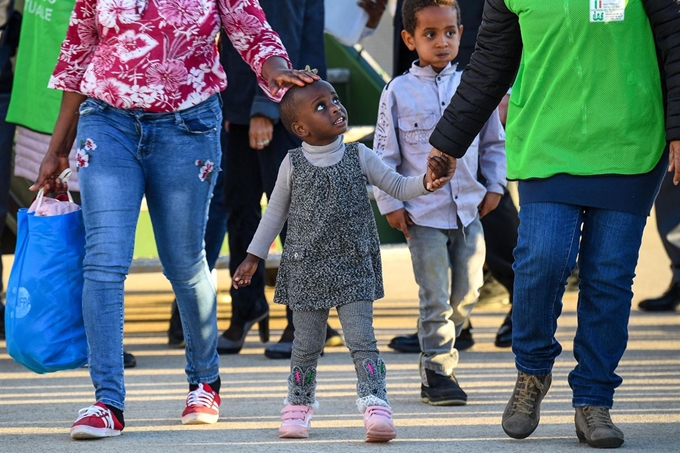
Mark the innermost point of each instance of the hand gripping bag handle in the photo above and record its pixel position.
(64, 176)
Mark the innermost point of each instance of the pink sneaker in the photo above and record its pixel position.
(379, 424)
(95, 422)
(203, 406)
(295, 421)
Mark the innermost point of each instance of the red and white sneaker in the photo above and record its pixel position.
(295, 421)
(379, 425)
(203, 406)
(95, 422)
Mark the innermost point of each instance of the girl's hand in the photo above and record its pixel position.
(244, 274)
(275, 71)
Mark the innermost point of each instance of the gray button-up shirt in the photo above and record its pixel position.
(410, 107)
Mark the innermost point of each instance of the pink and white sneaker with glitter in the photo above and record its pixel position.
(203, 406)
(379, 425)
(95, 422)
(295, 421)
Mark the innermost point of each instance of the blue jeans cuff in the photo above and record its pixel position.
(112, 403)
(592, 401)
(203, 380)
(533, 371)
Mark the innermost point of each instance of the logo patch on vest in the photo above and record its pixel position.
(607, 10)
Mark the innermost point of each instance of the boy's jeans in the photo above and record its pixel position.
(130, 154)
(445, 302)
(549, 236)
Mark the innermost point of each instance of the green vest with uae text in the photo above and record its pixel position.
(43, 28)
(587, 99)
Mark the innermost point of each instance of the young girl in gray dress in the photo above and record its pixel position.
(332, 255)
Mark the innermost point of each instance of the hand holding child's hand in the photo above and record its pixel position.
(489, 203)
(440, 170)
(244, 273)
(400, 220)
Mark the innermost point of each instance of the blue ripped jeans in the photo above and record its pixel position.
(125, 155)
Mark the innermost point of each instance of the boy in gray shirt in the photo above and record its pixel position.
(443, 231)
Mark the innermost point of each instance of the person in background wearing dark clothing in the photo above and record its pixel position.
(500, 225)
(256, 143)
(9, 40)
(667, 210)
(587, 182)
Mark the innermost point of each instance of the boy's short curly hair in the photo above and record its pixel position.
(413, 7)
(288, 107)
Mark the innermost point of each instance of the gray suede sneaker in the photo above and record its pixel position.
(523, 412)
(594, 426)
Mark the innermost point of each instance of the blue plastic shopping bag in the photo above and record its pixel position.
(44, 317)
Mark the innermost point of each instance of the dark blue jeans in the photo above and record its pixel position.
(607, 242)
(6, 142)
(217, 213)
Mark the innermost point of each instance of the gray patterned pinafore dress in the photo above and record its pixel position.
(332, 252)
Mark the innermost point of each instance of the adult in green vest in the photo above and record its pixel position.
(597, 81)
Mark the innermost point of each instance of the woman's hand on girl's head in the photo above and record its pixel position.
(275, 71)
(244, 273)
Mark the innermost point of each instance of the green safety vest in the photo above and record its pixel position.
(43, 29)
(587, 99)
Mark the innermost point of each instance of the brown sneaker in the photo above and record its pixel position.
(594, 426)
(521, 415)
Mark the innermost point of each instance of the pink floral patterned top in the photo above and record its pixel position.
(159, 55)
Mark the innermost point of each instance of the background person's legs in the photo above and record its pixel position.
(500, 235)
(6, 142)
(667, 210)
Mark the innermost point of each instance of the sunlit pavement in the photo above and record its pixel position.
(37, 411)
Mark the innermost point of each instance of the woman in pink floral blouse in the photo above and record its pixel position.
(141, 80)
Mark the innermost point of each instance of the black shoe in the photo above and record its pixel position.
(668, 301)
(284, 348)
(226, 345)
(439, 390)
(504, 334)
(405, 343)
(280, 350)
(129, 360)
(464, 340)
(175, 332)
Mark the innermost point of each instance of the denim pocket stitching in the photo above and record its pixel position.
(199, 116)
